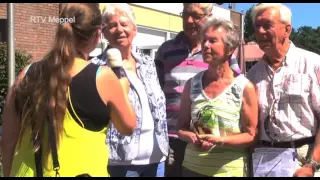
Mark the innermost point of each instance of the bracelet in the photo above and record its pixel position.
(309, 165)
(314, 164)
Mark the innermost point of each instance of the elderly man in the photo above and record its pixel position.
(287, 82)
(178, 60)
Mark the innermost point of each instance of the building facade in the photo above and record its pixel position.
(32, 34)
(157, 23)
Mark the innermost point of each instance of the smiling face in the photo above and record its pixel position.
(214, 51)
(270, 32)
(119, 30)
(193, 18)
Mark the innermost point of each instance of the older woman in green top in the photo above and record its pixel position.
(219, 109)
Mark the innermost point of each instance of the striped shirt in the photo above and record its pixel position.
(176, 64)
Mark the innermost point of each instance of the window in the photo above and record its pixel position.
(3, 30)
(146, 51)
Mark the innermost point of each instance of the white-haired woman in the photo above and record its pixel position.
(143, 153)
(218, 114)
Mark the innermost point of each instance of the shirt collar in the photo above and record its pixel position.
(198, 50)
(138, 57)
(290, 56)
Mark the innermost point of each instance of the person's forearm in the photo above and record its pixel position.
(8, 144)
(316, 149)
(237, 140)
(182, 135)
(10, 132)
(7, 157)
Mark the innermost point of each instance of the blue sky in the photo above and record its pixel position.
(303, 14)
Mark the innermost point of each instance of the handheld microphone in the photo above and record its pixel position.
(115, 62)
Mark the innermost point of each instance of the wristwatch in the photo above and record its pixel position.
(314, 164)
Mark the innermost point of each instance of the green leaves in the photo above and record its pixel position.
(248, 27)
(21, 59)
(307, 38)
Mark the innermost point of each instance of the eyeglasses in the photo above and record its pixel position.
(268, 26)
(194, 16)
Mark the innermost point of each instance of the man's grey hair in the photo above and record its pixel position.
(232, 37)
(284, 11)
(110, 9)
(206, 7)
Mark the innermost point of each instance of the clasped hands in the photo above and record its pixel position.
(204, 141)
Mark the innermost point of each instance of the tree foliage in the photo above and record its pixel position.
(248, 26)
(21, 59)
(307, 38)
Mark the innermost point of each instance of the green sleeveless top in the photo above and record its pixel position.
(219, 116)
(80, 151)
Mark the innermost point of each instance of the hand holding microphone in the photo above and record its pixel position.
(115, 62)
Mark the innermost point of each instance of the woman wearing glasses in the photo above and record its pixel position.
(218, 115)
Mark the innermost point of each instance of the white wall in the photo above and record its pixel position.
(149, 37)
(221, 13)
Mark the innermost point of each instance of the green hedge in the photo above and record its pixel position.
(21, 58)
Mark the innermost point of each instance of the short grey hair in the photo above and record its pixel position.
(206, 7)
(285, 12)
(109, 11)
(232, 37)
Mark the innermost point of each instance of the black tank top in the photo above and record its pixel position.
(86, 101)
